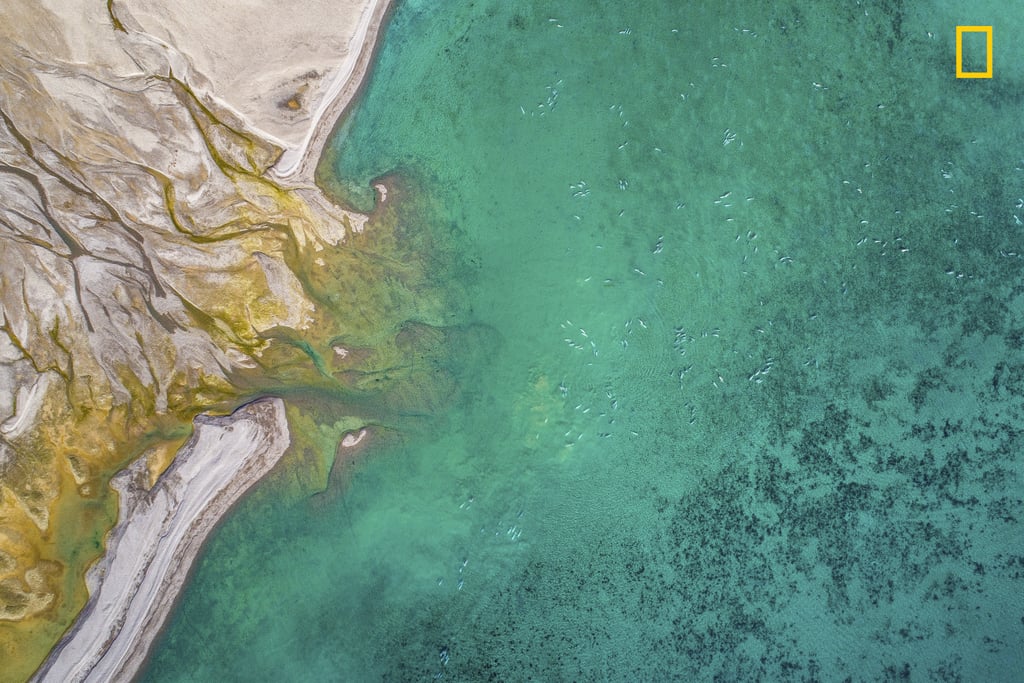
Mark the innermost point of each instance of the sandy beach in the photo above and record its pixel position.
(299, 163)
(159, 534)
(287, 71)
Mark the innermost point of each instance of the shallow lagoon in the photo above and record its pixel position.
(742, 392)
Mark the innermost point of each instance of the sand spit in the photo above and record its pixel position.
(157, 538)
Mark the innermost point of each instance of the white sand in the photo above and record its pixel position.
(299, 163)
(287, 69)
(351, 439)
(157, 538)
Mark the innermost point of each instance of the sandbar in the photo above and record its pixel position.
(159, 534)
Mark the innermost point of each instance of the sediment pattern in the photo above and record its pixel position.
(147, 259)
(159, 534)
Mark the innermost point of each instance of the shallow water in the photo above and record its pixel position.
(745, 398)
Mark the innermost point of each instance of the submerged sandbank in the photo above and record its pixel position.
(159, 535)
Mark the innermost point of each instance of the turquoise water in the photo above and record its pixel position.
(743, 397)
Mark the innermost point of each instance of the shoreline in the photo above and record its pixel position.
(298, 165)
(160, 532)
(226, 456)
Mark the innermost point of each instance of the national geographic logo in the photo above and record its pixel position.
(960, 31)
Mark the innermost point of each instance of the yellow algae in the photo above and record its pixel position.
(27, 586)
(215, 285)
(283, 295)
(56, 506)
(78, 469)
(159, 458)
(21, 599)
(373, 295)
(7, 563)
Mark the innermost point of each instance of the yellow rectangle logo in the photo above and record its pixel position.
(960, 31)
